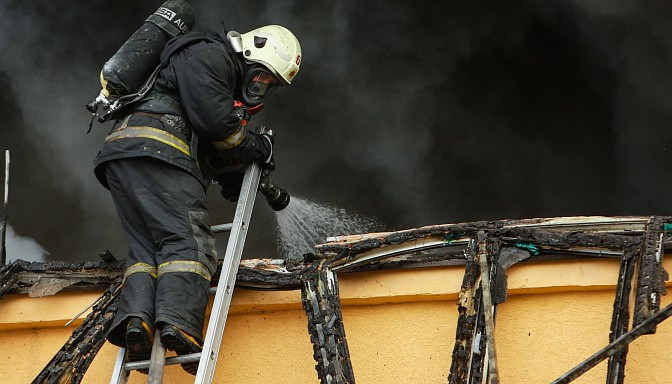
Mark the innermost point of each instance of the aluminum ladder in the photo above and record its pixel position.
(220, 308)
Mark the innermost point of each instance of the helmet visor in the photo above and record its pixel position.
(259, 85)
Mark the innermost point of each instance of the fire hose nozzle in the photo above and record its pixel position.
(276, 197)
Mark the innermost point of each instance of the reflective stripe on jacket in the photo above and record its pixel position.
(164, 137)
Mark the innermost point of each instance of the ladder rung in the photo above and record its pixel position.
(144, 364)
(222, 227)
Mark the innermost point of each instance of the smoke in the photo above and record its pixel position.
(23, 247)
(48, 72)
(638, 49)
(412, 113)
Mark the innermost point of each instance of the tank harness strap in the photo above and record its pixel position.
(188, 266)
(169, 98)
(124, 131)
(157, 116)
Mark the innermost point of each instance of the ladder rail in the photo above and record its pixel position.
(227, 279)
(119, 375)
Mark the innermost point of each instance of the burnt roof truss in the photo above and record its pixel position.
(486, 249)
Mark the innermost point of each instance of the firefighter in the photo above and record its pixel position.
(158, 161)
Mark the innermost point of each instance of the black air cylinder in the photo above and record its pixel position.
(126, 71)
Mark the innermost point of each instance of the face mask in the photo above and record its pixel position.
(258, 85)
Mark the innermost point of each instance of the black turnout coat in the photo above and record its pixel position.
(198, 83)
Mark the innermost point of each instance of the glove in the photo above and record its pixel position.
(256, 148)
(265, 149)
(231, 184)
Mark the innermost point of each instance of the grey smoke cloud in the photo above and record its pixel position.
(413, 113)
(24, 248)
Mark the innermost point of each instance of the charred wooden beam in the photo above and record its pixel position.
(621, 315)
(567, 240)
(74, 358)
(609, 224)
(452, 249)
(267, 274)
(69, 266)
(437, 257)
(42, 279)
(487, 250)
(651, 275)
(321, 302)
(642, 329)
(9, 276)
(347, 246)
(468, 350)
(51, 277)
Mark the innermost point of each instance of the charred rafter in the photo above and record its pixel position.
(651, 275)
(559, 240)
(468, 351)
(9, 276)
(42, 279)
(350, 246)
(621, 314)
(74, 358)
(322, 304)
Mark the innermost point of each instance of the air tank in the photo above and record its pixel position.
(127, 70)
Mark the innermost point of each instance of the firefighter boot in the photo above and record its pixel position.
(138, 340)
(177, 340)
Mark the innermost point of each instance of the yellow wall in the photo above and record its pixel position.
(400, 328)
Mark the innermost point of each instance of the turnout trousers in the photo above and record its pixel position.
(172, 253)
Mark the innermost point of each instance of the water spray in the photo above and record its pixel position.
(305, 223)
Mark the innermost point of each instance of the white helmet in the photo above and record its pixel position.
(274, 47)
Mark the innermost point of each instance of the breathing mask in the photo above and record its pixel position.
(258, 85)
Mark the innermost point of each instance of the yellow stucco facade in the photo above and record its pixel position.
(400, 327)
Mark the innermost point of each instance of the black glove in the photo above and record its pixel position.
(256, 148)
(264, 144)
(230, 183)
